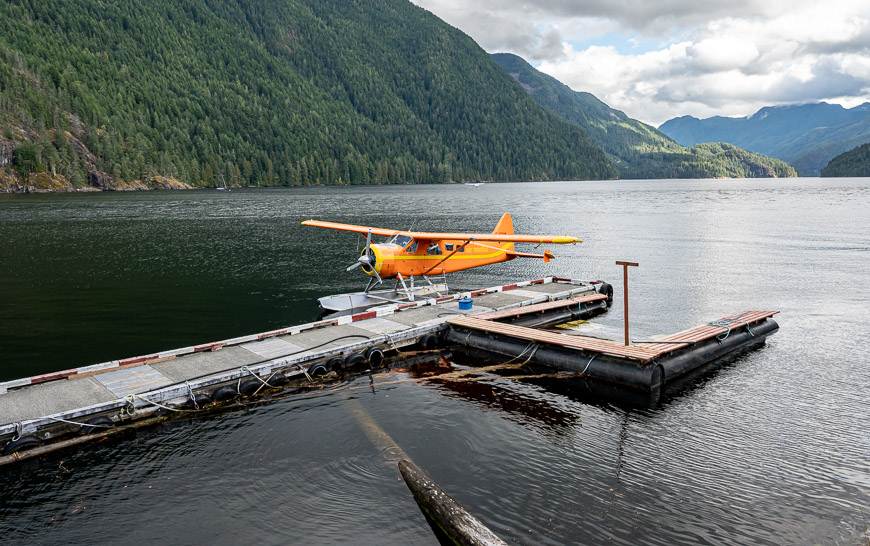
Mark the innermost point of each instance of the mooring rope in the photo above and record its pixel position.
(94, 425)
(459, 374)
(265, 383)
(722, 323)
(303, 370)
(131, 404)
(534, 346)
(587, 365)
(192, 396)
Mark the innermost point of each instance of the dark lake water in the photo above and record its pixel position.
(773, 448)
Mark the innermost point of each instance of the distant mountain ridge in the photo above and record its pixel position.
(855, 162)
(805, 135)
(637, 149)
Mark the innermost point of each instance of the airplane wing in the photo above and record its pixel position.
(493, 237)
(352, 228)
(436, 236)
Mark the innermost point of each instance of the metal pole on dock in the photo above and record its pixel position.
(625, 265)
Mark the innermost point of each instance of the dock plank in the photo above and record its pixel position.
(547, 289)
(51, 398)
(539, 307)
(499, 299)
(199, 364)
(126, 381)
(272, 347)
(380, 325)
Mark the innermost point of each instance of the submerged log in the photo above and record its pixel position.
(444, 512)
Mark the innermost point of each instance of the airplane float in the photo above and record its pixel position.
(407, 255)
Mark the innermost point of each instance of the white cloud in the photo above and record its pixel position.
(721, 57)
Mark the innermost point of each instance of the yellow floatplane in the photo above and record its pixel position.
(410, 255)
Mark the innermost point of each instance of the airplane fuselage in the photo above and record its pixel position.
(418, 258)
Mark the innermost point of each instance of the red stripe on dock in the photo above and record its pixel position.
(364, 316)
(273, 333)
(45, 378)
(216, 346)
(135, 360)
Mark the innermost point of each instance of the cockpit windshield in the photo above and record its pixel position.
(401, 240)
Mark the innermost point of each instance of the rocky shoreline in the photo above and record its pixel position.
(44, 182)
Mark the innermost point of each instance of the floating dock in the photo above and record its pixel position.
(47, 412)
(42, 413)
(644, 365)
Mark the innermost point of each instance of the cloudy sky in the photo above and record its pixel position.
(658, 59)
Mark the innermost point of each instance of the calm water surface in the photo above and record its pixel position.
(773, 448)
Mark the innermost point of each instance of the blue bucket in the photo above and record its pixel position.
(465, 303)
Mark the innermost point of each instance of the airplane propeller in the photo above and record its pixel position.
(366, 260)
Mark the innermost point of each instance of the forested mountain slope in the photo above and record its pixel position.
(855, 162)
(805, 135)
(266, 92)
(637, 149)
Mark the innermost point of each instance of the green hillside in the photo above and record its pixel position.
(268, 92)
(637, 149)
(855, 162)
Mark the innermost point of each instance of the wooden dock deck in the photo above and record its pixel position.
(643, 352)
(644, 364)
(44, 407)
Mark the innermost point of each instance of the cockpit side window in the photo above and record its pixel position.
(411, 248)
(401, 240)
(434, 249)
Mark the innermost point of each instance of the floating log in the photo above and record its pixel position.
(443, 512)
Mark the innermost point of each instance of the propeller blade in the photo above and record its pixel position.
(364, 260)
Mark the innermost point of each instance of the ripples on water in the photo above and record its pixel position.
(772, 448)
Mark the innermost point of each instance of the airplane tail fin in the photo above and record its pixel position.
(505, 226)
